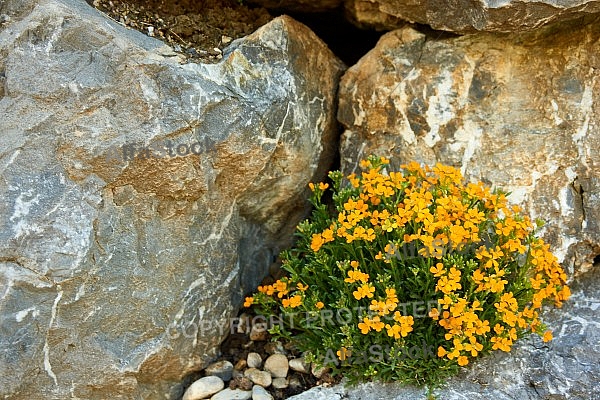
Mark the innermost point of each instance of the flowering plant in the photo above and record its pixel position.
(415, 259)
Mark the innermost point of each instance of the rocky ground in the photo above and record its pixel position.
(199, 30)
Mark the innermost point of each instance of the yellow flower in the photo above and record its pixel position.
(248, 301)
(364, 326)
(317, 242)
(301, 287)
(311, 186)
(547, 336)
(462, 361)
(343, 354)
(438, 270)
(323, 186)
(357, 275)
(365, 290)
(319, 305)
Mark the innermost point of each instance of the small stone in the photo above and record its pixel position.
(228, 394)
(222, 369)
(226, 39)
(260, 393)
(204, 388)
(275, 348)
(240, 365)
(243, 323)
(294, 382)
(318, 372)
(150, 31)
(277, 365)
(254, 360)
(280, 383)
(299, 365)
(217, 50)
(259, 377)
(259, 333)
(241, 382)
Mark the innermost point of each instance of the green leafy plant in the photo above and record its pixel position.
(410, 275)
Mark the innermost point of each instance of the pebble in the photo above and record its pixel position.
(275, 348)
(254, 360)
(240, 365)
(259, 393)
(318, 372)
(259, 333)
(277, 365)
(294, 382)
(229, 394)
(222, 369)
(226, 39)
(259, 377)
(299, 365)
(204, 388)
(241, 382)
(280, 383)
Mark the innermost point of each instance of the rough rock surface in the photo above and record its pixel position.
(521, 113)
(566, 368)
(466, 16)
(118, 276)
(298, 5)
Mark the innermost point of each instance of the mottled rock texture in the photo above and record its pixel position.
(519, 112)
(118, 275)
(467, 16)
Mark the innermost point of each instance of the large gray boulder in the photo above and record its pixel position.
(516, 112)
(120, 268)
(467, 16)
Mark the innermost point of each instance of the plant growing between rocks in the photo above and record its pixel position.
(355, 300)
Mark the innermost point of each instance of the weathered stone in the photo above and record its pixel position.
(259, 332)
(262, 378)
(204, 388)
(316, 371)
(280, 383)
(275, 348)
(277, 364)
(260, 393)
(254, 360)
(298, 5)
(222, 369)
(299, 365)
(467, 16)
(229, 394)
(120, 276)
(241, 382)
(515, 112)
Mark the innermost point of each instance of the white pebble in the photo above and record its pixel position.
(254, 360)
(229, 394)
(204, 388)
(260, 393)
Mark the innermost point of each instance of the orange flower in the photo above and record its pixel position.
(249, 301)
(319, 305)
(547, 336)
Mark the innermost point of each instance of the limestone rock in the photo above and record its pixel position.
(277, 364)
(467, 16)
(222, 369)
(232, 394)
(254, 360)
(299, 365)
(119, 273)
(298, 5)
(204, 388)
(262, 378)
(518, 113)
(260, 393)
